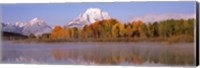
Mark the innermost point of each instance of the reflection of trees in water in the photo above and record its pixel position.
(57, 54)
(61, 54)
(97, 55)
(117, 55)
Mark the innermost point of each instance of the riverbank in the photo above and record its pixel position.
(177, 39)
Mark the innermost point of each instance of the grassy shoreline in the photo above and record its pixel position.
(162, 40)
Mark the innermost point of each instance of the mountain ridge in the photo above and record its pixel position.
(38, 27)
(35, 26)
(90, 16)
(150, 18)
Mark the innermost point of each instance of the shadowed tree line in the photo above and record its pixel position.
(111, 29)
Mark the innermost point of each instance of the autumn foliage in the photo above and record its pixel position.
(59, 33)
(113, 29)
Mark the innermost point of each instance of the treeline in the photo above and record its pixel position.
(12, 36)
(170, 30)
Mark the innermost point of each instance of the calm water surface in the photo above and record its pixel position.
(99, 53)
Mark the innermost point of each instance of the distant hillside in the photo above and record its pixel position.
(12, 36)
(34, 26)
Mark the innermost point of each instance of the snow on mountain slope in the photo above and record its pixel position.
(11, 28)
(160, 17)
(36, 27)
(91, 15)
(20, 24)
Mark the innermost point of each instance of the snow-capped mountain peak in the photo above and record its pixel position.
(150, 18)
(36, 21)
(36, 27)
(15, 28)
(91, 15)
(20, 24)
(92, 10)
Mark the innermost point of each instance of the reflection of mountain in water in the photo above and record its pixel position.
(99, 53)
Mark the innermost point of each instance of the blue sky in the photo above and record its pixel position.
(60, 14)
